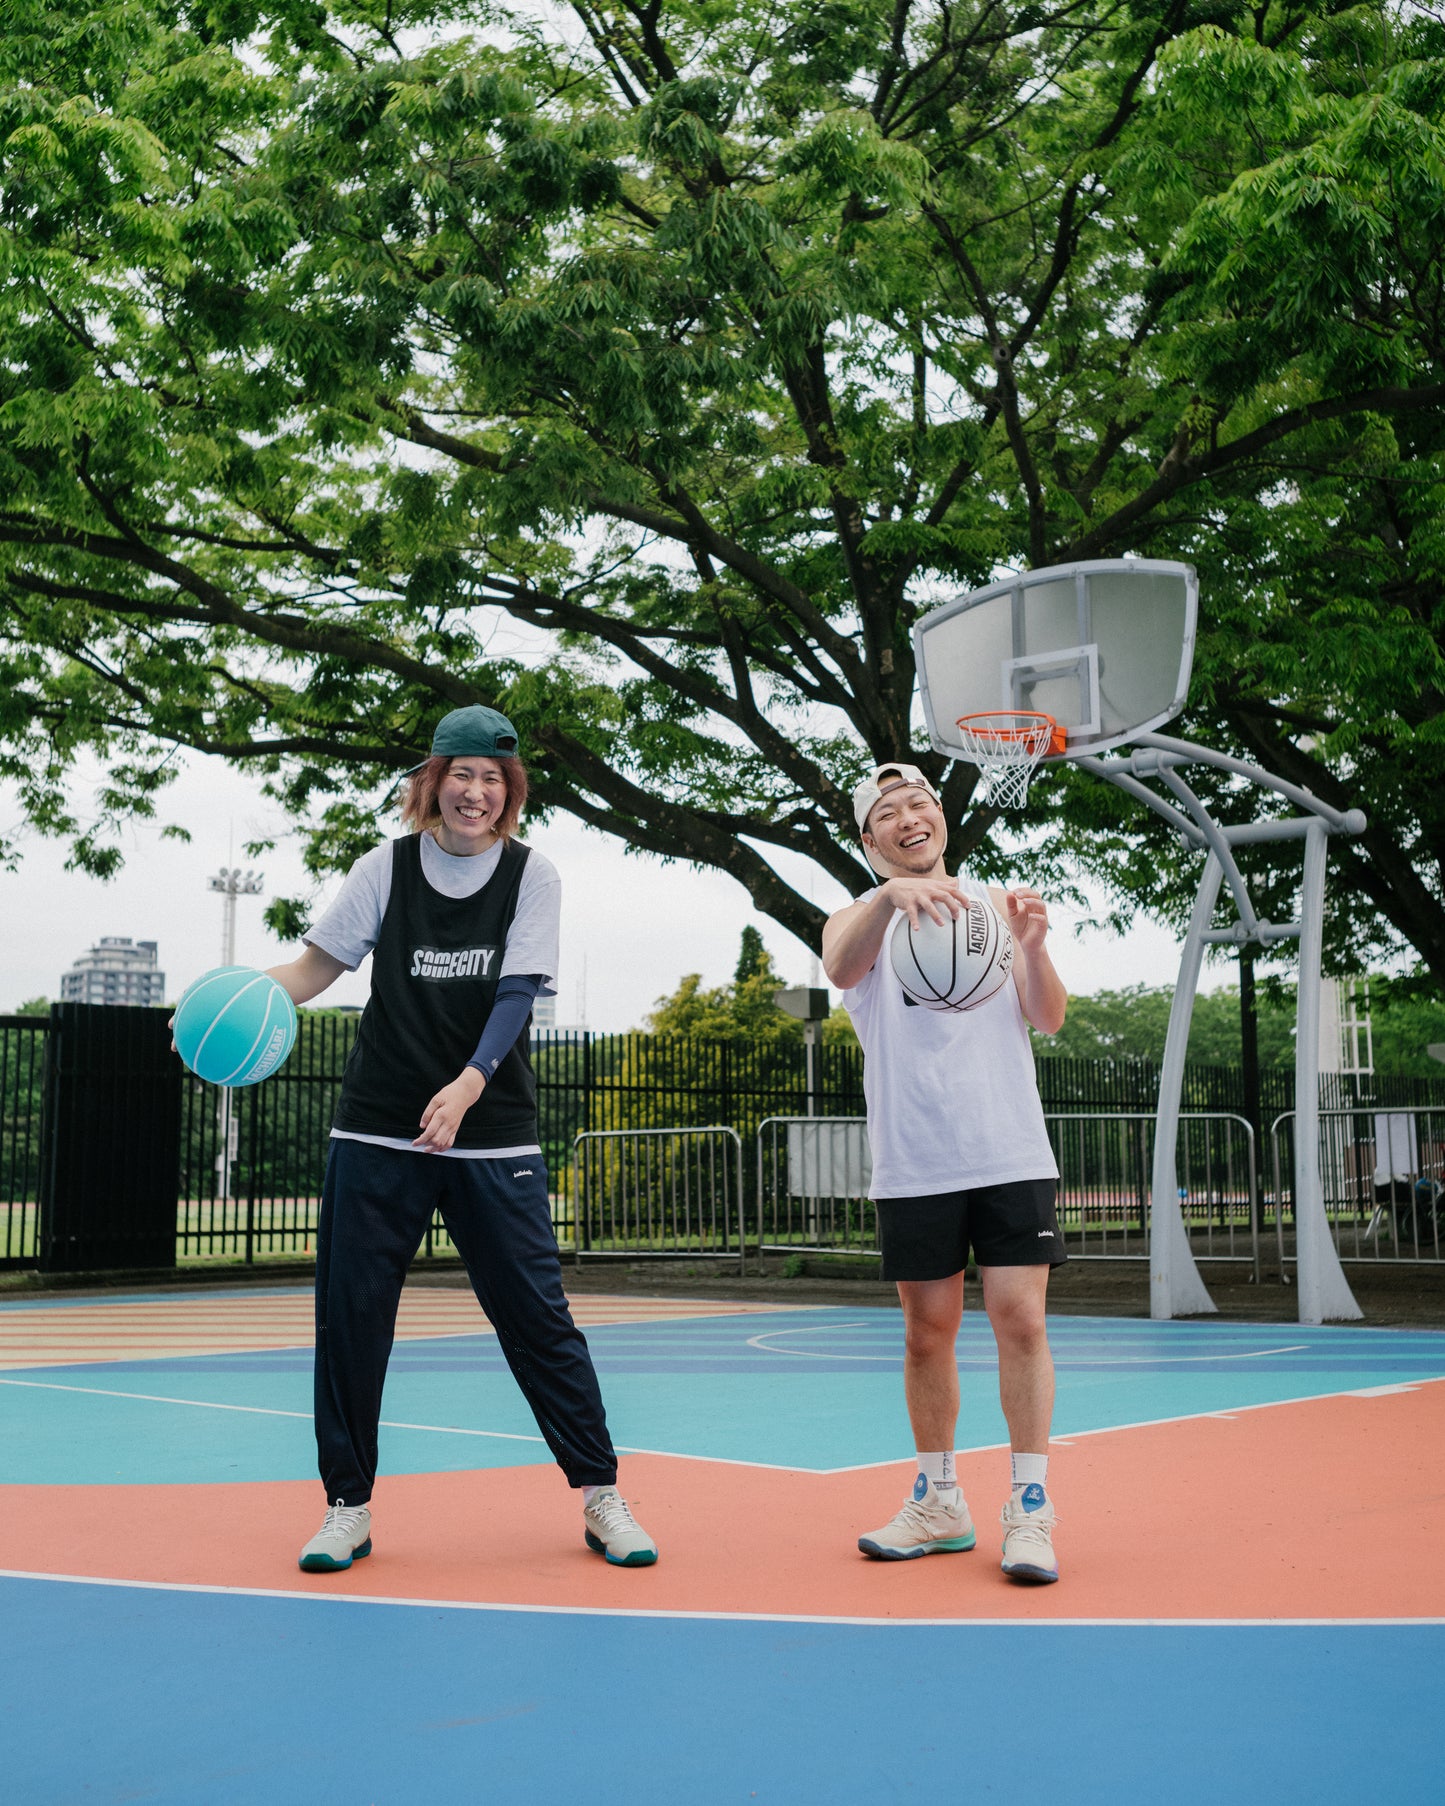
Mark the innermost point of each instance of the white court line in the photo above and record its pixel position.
(431, 1429)
(804, 1354)
(208, 1404)
(767, 1337)
(154, 1356)
(618, 1611)
(68, 1353)
(1152, 1423)
(1249, 1354)
(776, 1467)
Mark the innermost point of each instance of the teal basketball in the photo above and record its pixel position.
(234, 1026)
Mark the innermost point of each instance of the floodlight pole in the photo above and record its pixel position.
(807, 1004)
(1176, 1288)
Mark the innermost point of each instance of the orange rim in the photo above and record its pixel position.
(1007, 727)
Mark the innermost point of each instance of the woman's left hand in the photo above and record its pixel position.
(442, 1117)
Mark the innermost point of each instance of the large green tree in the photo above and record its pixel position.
(648, 368)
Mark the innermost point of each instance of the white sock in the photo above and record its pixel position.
(589, 1493)
(937, 1468)
(1029, 1470)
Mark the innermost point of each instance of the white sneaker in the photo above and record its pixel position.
(1028, 1537)
(931, 1523)
(344, 1537)
(611, 1530)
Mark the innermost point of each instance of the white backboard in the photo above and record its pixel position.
(1104, 646)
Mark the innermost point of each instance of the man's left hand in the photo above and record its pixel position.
(1027, 917)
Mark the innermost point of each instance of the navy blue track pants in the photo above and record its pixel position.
(374, 1212)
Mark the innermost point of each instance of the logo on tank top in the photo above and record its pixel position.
(455, 962)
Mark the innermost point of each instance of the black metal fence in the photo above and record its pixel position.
(247, 1166)
(22, 1097)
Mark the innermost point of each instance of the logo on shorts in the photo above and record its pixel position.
(526, 1173)
(1046, 1232)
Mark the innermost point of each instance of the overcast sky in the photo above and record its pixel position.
(632, 927)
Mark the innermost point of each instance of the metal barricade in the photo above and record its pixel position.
(813, 1179)
(1382, 1171)
(670, 1191)
(1106, 1166)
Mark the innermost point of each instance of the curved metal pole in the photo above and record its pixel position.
(1219, 846)
(1324, 1292)
(1175, 1288)
(1117, 773)
(1346, 821)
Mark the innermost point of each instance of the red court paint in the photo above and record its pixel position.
(1324, 1509)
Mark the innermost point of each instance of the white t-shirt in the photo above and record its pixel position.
(349, 929)
(953, 1099)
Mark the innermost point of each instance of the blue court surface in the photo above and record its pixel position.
(1252, 1605)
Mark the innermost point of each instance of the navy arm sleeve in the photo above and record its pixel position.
(515, 995)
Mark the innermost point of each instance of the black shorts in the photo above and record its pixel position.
(1010, 1225)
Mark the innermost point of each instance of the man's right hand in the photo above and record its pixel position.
(853, 936)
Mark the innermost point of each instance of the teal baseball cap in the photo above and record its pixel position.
(475, 732)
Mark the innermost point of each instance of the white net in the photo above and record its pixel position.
(1006, 747)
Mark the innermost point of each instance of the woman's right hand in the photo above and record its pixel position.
(442, 1117)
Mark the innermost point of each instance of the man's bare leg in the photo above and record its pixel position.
(1014, 1298)
(932, 1312)
(932, 1521)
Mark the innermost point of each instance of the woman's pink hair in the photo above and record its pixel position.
(420, 809)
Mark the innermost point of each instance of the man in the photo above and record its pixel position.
(961, 1161)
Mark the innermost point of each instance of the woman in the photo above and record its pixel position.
(462, 921)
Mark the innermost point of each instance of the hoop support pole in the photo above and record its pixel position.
(1324, 1292)
(1175, 1286)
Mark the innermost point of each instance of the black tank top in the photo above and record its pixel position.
(434, 975)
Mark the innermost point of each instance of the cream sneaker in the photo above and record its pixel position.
(930, 1523)
(611, 1530)
(1028, 1537)
(344, 1537)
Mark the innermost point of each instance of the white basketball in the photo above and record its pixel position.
(956, 965)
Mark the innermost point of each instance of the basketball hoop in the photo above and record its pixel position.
(1006, 745)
